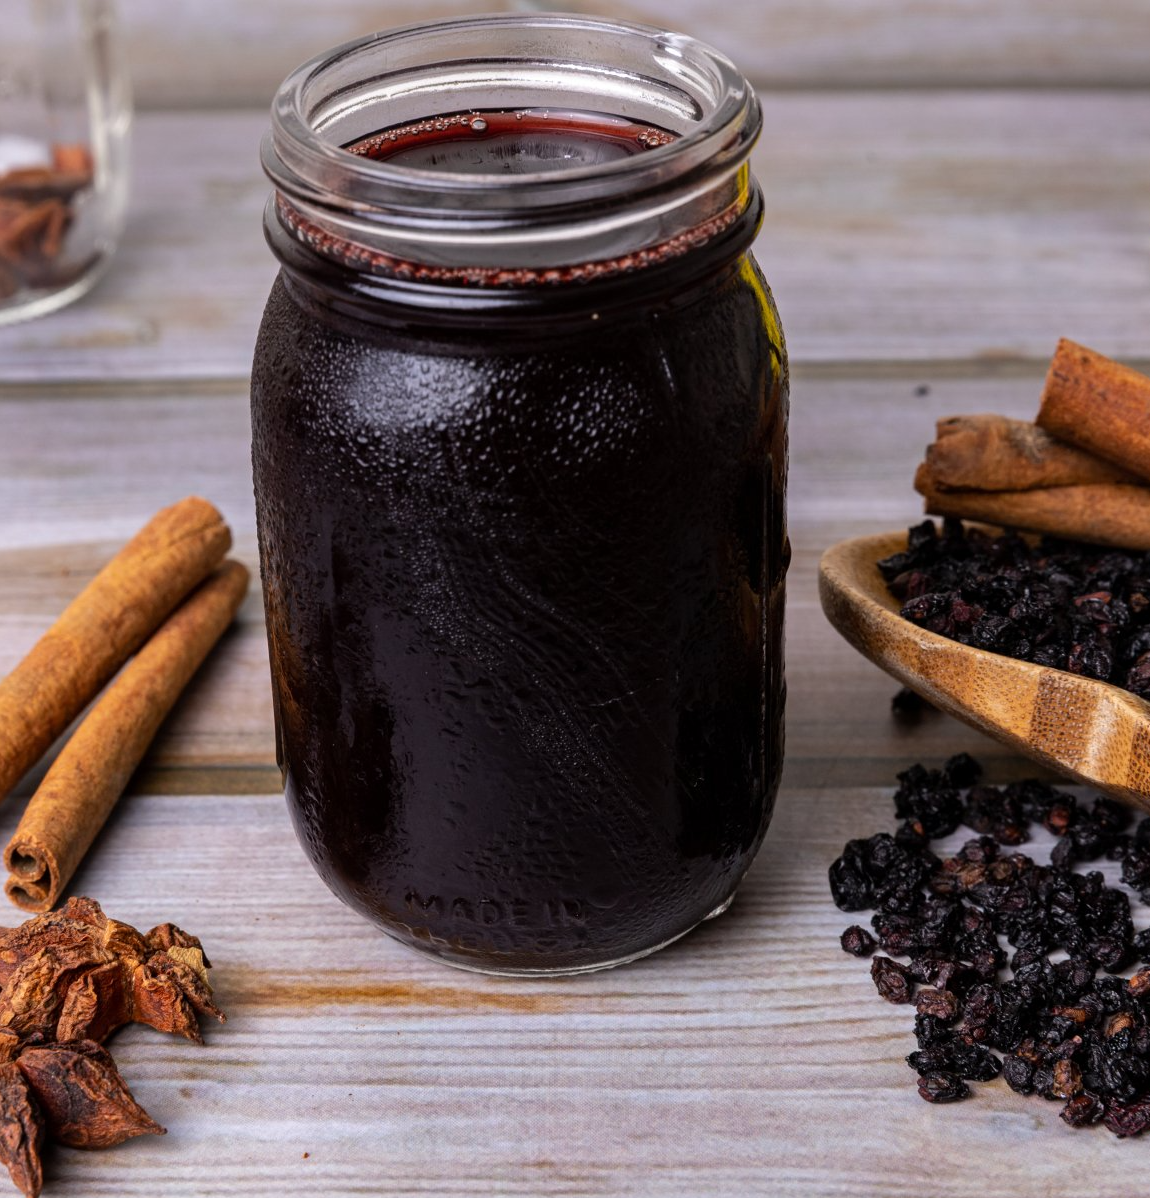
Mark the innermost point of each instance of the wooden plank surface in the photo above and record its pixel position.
(958, 226)
(235, 52)
(911, 43)
(84, 471)
(751, 1059)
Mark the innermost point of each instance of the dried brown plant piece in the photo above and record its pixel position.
(71, 1093)
(75, 974)
(55, 226)
(85, 1101)
(21, 1131)
(168, 936)
(67, 980)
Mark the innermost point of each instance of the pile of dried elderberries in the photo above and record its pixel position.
(1076, 607)
(1068, 1029)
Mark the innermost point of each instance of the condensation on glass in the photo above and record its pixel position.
(519, 442)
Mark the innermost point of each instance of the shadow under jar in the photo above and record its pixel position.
(519, 441)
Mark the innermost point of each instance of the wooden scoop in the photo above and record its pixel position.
(1095, 732)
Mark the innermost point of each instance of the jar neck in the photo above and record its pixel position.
(324, 283)
(454, 221)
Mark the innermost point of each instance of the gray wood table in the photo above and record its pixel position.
(926, 249)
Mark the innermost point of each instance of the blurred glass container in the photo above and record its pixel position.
(65, 116)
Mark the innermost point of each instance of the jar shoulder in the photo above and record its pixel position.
(302, 325)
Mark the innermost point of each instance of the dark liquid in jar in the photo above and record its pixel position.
(512, 142)
(524, 583)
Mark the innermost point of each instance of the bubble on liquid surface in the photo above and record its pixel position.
(479, 124)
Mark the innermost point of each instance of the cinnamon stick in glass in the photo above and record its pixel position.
(1098, 405)
(80, 790)
(100, 629)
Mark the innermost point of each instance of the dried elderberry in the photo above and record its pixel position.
(1068, 1030)
(909, 707)
(927, 796)
(858, 941)
(1019, 1074)
(1128, 1119)
(939, 1004)
(1076, 607)
(1082, 1110)
(891, 980)
(942, 1087)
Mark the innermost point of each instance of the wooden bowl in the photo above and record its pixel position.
(1095, 732)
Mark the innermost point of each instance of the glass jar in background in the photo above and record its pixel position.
(519, 410)
(65, 115)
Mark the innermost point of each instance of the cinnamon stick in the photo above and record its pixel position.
(1104, 514)
(80, 790)
(102, 627)
(988, 452)
(1098, 405)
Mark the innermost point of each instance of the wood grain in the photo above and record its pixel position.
(81, 472)
(926, 251)
(235, 52)
(753, 1058)
(976, 227)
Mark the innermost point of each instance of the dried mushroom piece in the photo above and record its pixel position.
(167, 936)
(93, 1006)
(170, 990)
(75, 974)
(68, 979)
(85, 1101)
(21, 1131)
(72, 1093)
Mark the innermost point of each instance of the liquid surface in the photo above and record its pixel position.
(512, 142)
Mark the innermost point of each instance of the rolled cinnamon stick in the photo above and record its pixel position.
(110, 618)
(1098, 405)
(1105, 514)
(988, 452)
(80, 790)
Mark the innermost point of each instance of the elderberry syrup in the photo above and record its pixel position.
(519, 444)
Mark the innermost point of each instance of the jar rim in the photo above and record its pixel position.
(718, 113)
(422, 71)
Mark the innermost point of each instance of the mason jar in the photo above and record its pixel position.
(519, 409)
(65, 116)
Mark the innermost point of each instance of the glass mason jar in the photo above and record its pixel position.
(519, 441)
(65, 115)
